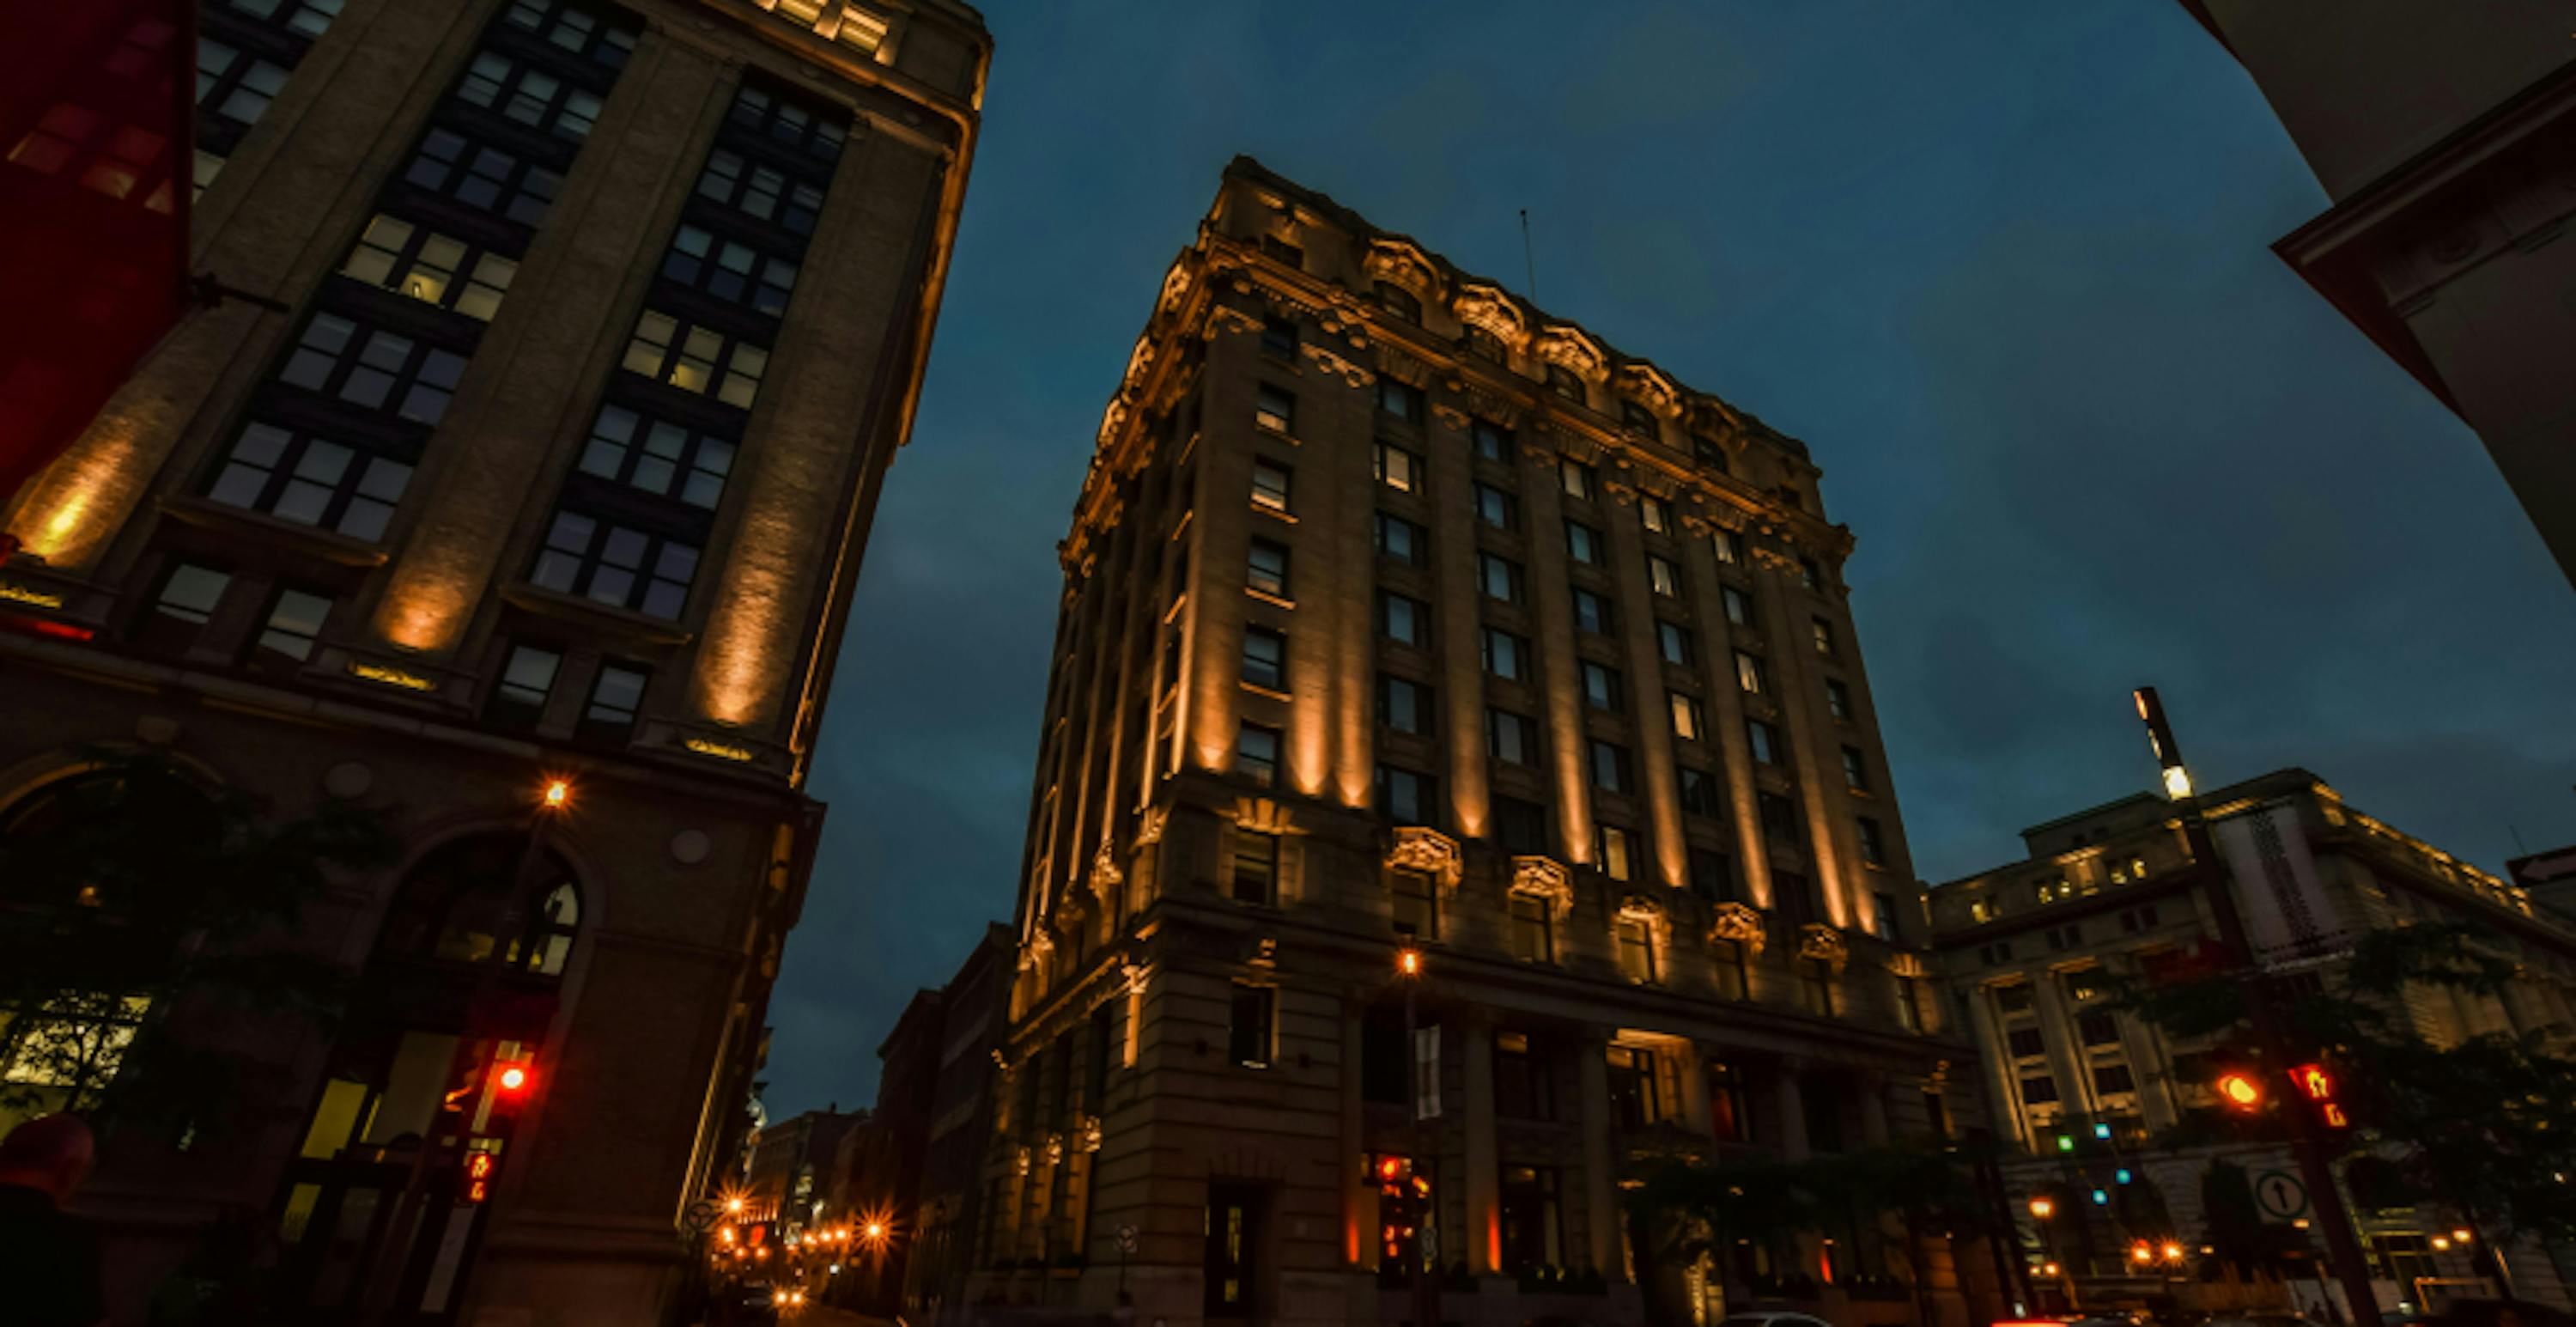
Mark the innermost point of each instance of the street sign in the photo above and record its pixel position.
(2279, 1195)
(1127, 1240)
(1430, 1236)
(701, 1216)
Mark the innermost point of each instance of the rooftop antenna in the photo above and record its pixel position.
(1528, 260)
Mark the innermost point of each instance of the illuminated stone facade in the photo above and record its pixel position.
(1394, 606)
(599, 324)
(2032, 952)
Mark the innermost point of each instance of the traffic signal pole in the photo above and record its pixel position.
(2307, 1141)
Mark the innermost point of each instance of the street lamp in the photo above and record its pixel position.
(556, 794)
(2043, 1207)
(2173, 1251)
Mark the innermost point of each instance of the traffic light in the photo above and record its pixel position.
(474, 1184)
(2318, 1086)
(1404, 1202)
(2239, 1089)
(513, 1082)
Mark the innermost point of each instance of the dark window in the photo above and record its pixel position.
(1248, 1031)
(1709, 453)
(1730, 1118)
(1506, 655)
(1256, 754)
(1104, 1053)
(1592, 613)
(615, 696)
(1256, 867)
(300, 476)
(1402, 540)
(1790, 896)
(1386, 1059)
(1633, 1099)
(1698, 791)
(615, 564)
(1610, 767)
(1265, 658)
(658, 456)
(1492, 441)
(793, 123)
(1399, 400)
(1405, 795)
(2039, 1090)
(1416, 904)
(1823, 633)
(2108, 1078)
(1855, 770)
(567, 27)
(1734, 975)
(483, 177)
(1882, 915)
(1837, 699)
(1484, 344)
(1511, 738)
(680, 353)
(1873, 843)
(1519, 826)
(1533, 924)
(1499, 577)
(1601, 688)
(518, 699)
(1404, 619)
(1266, 567)
(1823, 1103)
(1397, 300)
(235, 84)
(1673, 639)
(1765, 740)
(761, 192)
(1279, 337)
(1270, 485)
(373, 368)
(1275, 408)
(730, 270)
(1404, 705)
(1497, 508)
(1816, 977)
(1533, 1223)
(294, 623)
(1562, 381)
(2099, 1028)
(1523, 1089)
(1635, 415)
(2025, 1043)
(1779, 819)
(1583, 543)
(1709, 876)
(1808, 575)
(525, 93)
(185, 603)
(1399, 469)
(1739, 605)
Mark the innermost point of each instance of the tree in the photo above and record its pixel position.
(1928, 1187)
(138, 886)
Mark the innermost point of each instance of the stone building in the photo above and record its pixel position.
(2445, 138)
(1398, 613)
(595, 327)
(793, 1164)
(2032, 952)
(947, 1206)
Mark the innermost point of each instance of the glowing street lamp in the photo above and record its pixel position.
(1408, 962)
(556, 794)
(2043, 1207)
(2173, 1251)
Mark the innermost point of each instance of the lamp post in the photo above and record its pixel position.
(1426, 1288)
(2043, 1209)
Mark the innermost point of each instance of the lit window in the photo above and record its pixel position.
(1614, 852)
(1637, 962)
(1275, 408)
(1398, 469)
(1688, 723)
(1270, 486)
(1663, 576)
(1750, 674)
(440, 270)
(1651, 510)
(1575, 477)
(696, 359)
(69, 1049)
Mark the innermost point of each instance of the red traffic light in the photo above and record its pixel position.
(1389, 1167)
(513, 1077)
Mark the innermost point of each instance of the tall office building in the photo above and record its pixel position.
(2445, 138)
(2037, 951)
(540, 444)
(1397, 612)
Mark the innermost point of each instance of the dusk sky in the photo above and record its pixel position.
(2003, 266)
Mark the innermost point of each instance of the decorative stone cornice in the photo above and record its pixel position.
(1741, 924)
(1347, 371)
(1428, 851)
(1571, 347)
(1907, 963)
(1105, 875)
(1149, 829)
(1547, 878)
(1055, 1149)
(1451, 416)
(1819, 941)
(1037, 950)
(1402, 367)
(1493, 405)
(1222, 319)
(1644, 908)
(1087, 1135)
(1263, 816)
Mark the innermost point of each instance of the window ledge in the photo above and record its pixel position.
(206, 513)
(1274, 513)
(623, 623)
(1260, 690)
(1268, 598)
(1281, 434)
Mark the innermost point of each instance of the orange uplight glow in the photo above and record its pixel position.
(2240, 1090)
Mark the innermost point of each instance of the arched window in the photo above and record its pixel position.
(487, 899)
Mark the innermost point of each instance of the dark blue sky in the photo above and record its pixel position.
(2004, 267)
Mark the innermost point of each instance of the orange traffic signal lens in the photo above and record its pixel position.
(1389, 1167)
(2240, 1090)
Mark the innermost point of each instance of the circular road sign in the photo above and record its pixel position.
(2280, 1195)
(701, 1216)
(1127, 1240)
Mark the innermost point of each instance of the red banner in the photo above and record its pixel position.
(97, 100)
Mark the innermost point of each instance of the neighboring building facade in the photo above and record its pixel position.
(947, 1206)
(2446, 137)
(880, 1168)
(793, 1164)
(601, 323)
(2034, 950)
(1396, 611)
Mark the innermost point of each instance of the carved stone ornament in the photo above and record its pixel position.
(1402, 367)
(1071, 907)
(1428, 851)
(1221, 319)
(1020, 1161)
(1038, 950)
(1493, 405)
(1569, 347)
(1824, 942)
(1399, 263)
(1547, 878)
(1176, 284)
(1150, 829)
(1136, 974)
(1089, 1138)
(1348, 372)
(1741, 924)
(1907, 964)
(1638, 907)
(1055, 1149)
(1262, 816)
(1105, 875)
(1652, 387)
(1451, 416)
(1488, 307)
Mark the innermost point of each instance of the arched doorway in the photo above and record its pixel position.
(383, 1200)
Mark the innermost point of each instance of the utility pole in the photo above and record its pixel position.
(2307, 1144)
(1426, 1289)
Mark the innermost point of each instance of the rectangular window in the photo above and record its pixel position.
(1416, 904)
(1751, 674)
(1600, 686)
(1402, 619)
(730, 270)
(1492, 441)
(1399, 469)
(1729, 546)
(1256, 754)
(1499, 578)
(299, 476)
(1497, 508)
(2109, 1079)
(1575, 477)
(185, 604)
(658, 456)
(2039, 1090)
(1636, 957)
(1808, 575)
(1256, 867)
(294, 623)
(1698, 791)
(1522, 1086)
(2025, 1043)
(1882, 915)
(1816, 980)
(673, 351)
(1511, 738)
(1405, 795)
(1404, 705)
(1824, 636)
(1673, 640)
(1873, 843)
(373, 369)
(792, 123)
(616, 565)
(1386, 1057)
(1506, 655)
(1765, 741)
(567, 27)
(1532, 926)
(1614, 852)
(523, 93)
(1855, 770)
(1610, 767)
(1275, 409)
(1270, 485)
(1402, 540)
(1584, 544)
(616, 695)
(1266, 568)
(1279, 338)
(235, 84)
(1397, 300)
(1664, 576)
(1248, 1032)
(1519, 826)
(518, 699)
(1399, 401)
(1709, 876)
(438, 270)
(2099, 1027)
(1655, 515)
(1592, 613)
(1779, 817)
(483, 177)
(1635, 415)
(760, 192)
(1739, 605)
(1634, 1100)
(1265, 658)
(1688, 722)
(1563, 381)
(1837, 699)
